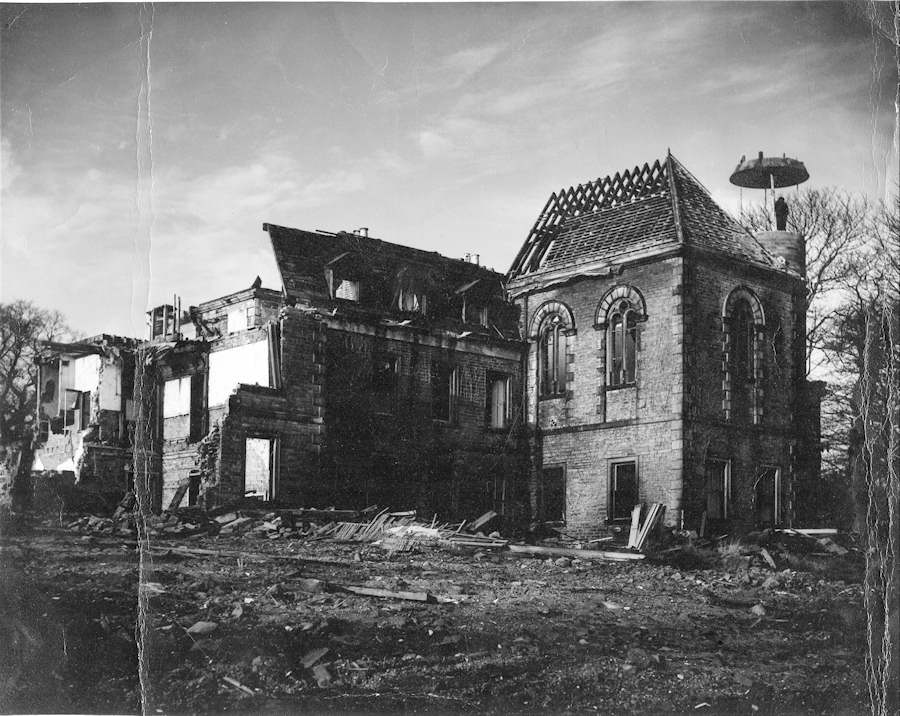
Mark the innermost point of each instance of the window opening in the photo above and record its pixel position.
(443, 391)
(622, 345)
(553, 494)
(624, 489)
(347, 290)
(718, 488)
(497, 395)
(552, 358)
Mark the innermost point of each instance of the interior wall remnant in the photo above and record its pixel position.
(248, 364)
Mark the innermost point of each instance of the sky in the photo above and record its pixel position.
(143, 146)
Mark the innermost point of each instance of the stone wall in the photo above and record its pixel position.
(711, 432)
(387, 446)
(594, 424)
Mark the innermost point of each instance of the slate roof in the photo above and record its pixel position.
(639, 211)
(304, 257)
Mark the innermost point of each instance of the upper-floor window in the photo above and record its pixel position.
(444, 389)
(619, 312)
(385, 370)
(241, 318)
(552, 357)
(621, 343)
(347, 290)
(410, 300)
(497, 400)
(743, 321)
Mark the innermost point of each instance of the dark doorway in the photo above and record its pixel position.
(553, 494)
(767, 497)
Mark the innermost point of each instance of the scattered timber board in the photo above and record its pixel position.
(579, 553)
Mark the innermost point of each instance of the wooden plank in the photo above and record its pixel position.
(388, 594)
(652, 518)
(483, 520)
(810, 531)
(635, 526)
(579, 553)
(179, 494)
(768, 557)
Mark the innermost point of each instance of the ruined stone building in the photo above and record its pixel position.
(85, 411)
(643, 348)
(665, 358)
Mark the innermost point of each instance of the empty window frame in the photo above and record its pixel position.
(497, 404)
(552, 358)
(718, 488)
(553, 493)
(621, 344)
(385, 371)
(410, 300)
(259, 467)
(623, 484)
(768, 496)
(347, 290)
(444, 389)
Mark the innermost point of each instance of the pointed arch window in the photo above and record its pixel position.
(552, 357)
(621, 342)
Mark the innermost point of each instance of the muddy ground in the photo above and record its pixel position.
(506, 634)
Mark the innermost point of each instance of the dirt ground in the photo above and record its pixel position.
(505, 634)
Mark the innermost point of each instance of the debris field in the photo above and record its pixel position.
(326, 611)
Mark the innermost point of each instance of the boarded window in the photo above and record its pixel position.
(718, 488)
(258, 464)
(497, 400)
(443, 391)
(624, 489)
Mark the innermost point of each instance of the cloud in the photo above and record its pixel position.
(471, 60)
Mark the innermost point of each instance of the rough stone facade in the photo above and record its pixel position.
(684, 357)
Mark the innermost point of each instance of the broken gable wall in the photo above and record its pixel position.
(290, 415)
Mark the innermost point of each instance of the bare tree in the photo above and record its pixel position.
(836, 226)
(22, 328)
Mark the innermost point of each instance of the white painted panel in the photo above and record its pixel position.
(242, 364)
(177, 397)
(257, 473)
(237, 319)
(111, 386)
(86, 373)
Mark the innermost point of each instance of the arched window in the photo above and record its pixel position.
(621, 342)
(552, 357)
(743, 322)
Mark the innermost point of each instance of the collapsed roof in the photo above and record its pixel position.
(637, 212)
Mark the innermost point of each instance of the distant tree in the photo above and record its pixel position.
(835, 226)
(22, 328)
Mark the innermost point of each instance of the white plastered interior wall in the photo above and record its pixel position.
(248, 364)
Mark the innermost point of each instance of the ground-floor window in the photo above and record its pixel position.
(259, 468)
(553, 493)
(623, 481)
(718, 488)
(767, 496)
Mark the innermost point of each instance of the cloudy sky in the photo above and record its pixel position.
(144, 146)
